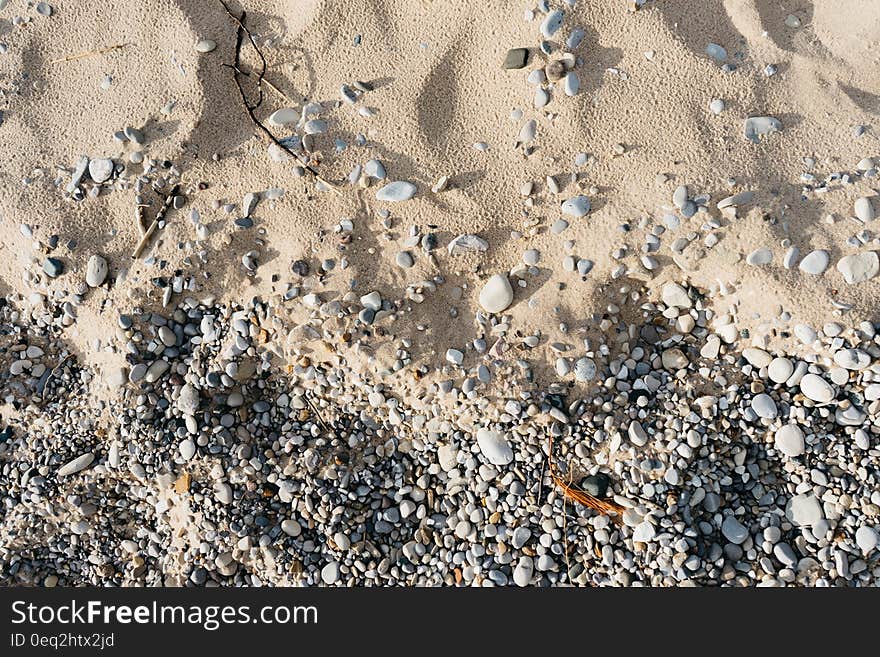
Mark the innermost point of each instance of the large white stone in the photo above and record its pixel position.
(494, 447)
(497, 294)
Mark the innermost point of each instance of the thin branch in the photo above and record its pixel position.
(251, 109)
(153, 226)
(88, 53)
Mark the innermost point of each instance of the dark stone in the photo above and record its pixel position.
(53, 267)
(596, 485)
(516, 58)
(300, 268)
(244, 222)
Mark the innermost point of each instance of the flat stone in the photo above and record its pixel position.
(375, 169)
(571, 84)
(815, 262)
(852, 359)
(188, 399)
(187, 449)
(397, 191)
(789, 439)
(205, 46)
(330, 573)
(284, 116)
(467, 243)
(585, 369)
(551, 23)
(804, 510)
(522, 573)
(859, 267)
(864, 210)
(404, 259)
(101, 169)
(734, 531)
(757, 357)
(736, 200)
(756, 127)
(78, 464)
(759, 257)
(373, 301)
(716, 52)
(674, 359)
(816, 388)
(780, 369)
(291, 527)
(497, 294)
(494, 447)
(675, 296)
(53, 267)
(96, 270)
(644, 532)
(866, 538)
(637, 434)
(516, 58)
(576, 206)
(764, 406)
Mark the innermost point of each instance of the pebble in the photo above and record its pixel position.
(571, 84)
(205, 46)
(497, 294)
(760, 256)
(284, 116)
(675, 296)
(291, 527)
(494, 447)
(78, 464)
(852, 359)
(804, 510)
(516, 58)
(866, 538)
(399, 190)
(816, 388)
(716, 106)
(780, 369)
(372, 301)
(100, 169)
(577, 206)
(815, 262)
(522, 573)
(760, 126)
(375, 169)
(96, 270)
(330, 573)
(789, 439)
(859, 267)
(53, 267)
(404, 259)
(864, 210)
(551, 24)
(764, 406)
(467, 243)
(734, 531)
(585, 369)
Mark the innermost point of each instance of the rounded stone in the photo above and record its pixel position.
(789, 439)
(497, 294)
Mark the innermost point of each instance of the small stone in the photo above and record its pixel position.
(759, 257)
(716, 106)
(815, 262)
(522, 574)
(372, 301)
(596, 485)
(330, 573)
(866, 538)
(516, 58)
(780, 369)
(100, 169)
(284, 116)
(187, 449)
(675, 296)
(467, 243)
(96, 270)
(637, 434)
(454, 356)
(804, 510)
(404, 259)
(789, 439)
(375, 169)
(577, 206)
(852, 359)
(859, 267)
(399, 190)
(53, 267)
(134, 135)
(764, 406)
(291, 527)
(816, 388)
(734, 531)
(552, 23)
(760, 126)
(205, 45)
(736, 200)
(188, 399)
(674, 359)
(78, 464)
(571, 83)
(716, 52)
(494, 447)
(496, 295)
(757, 357)
(864, 210)
(644, 532)
(585, 369)
(531, 257)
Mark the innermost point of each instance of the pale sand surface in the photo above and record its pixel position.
(641, 115)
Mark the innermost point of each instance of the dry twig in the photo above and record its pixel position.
(145, 238)
(88, 53)
(577, 494)
(251, 109)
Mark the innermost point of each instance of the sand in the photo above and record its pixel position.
(439, 88)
